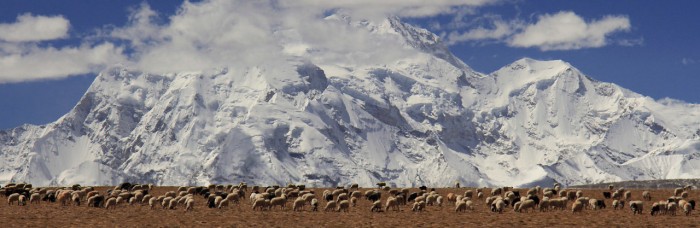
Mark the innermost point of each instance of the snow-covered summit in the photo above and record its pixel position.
(419, 116)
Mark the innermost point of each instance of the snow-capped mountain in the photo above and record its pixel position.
(422, 118)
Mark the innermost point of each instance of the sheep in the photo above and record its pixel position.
(532, 191)
(278, 201)
(498, 206)
(687, 208)
(571, 195)
(684, 195)
(392, 203)
(637, 207)
(356, 194)
(470, 204)
(558, 203)
(22, 200)
(468, 193)
(353, 201)
(222, 204)
(314, 204)
(496, 191)
(579, 194)
(330, 205)
(261, 204)
(646, 195)
(599, 204)
(152, 202)
(341, 196)
(628, 195)
(461, 206)
(172, 204)
(451, 198)
(418, 206)
(111, 202)
(671, 208)
(611, 187)
(189, 204)
(376, 206)
(606, 195)
(430, 199)
(527, 204)
(298, 204)
(562, 193)
(545, 204)
(76, 199)
(146, 199)
(438, 201)
(344, 206)
(577, 207)
(678, 191)
(34, 198)
(480, 195)
(64, 197)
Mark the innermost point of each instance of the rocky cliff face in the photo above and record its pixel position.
(423, 118)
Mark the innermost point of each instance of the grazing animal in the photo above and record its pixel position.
(637, 207)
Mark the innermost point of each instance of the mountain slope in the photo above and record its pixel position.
(423, 117)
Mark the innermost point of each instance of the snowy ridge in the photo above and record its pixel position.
(422, 118)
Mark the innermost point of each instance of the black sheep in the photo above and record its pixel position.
(211, 201)
(600, 204)
(125, 186)
(374, 196)
(423, 188)
(412, 196)
(534, 198)
(97, 202)
(606, 195)
(329, 197)
(517, 199)
(654, 209)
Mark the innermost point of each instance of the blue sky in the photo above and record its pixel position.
(650, 47)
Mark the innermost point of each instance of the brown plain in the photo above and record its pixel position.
(54, 215)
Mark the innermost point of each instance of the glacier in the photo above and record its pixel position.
(423, 118)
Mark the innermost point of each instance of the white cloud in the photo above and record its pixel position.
(567, 31)
(29, 28)
(564, 30)
(688, 61)
(499, 31)
(31, 62)
(401, 8)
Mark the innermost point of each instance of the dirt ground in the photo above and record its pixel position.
(54, 215)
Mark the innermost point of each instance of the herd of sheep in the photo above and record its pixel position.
(342, 199)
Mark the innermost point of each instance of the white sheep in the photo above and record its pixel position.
(353, 201)
(111, 202)
(545, 203)
(35, 198)
(499, 205)
(579, 194)
(527, 204)
(343, 205)
(470, 204)
(278, 201)
(376, 206)
(330, 206)
(299, 204)
(261, 204)
(618, 204)
(392, 203)
(577, 207)
(189, 204)
(438, 200)
(418, 206)
(628, 195)
(678, 191)
(687, 208)
(460, 206)
(152, 202)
